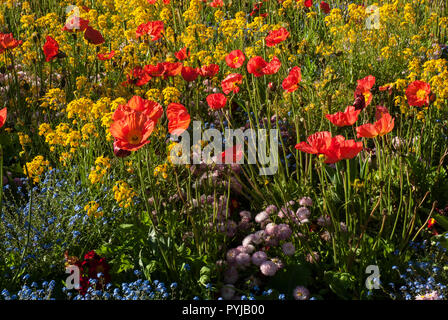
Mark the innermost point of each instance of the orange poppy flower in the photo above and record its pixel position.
(150, 108)
(189, 74)
(349, 149)
(7, 41)
(153, 28)
(276, 36)
(182, 54)
(209, 71)
(178, 118)
(364, 86)
(106, 56)
(132, 131)
(418, 93)
(256, 65)
(3, 114)
(291, 82)
(216, 101)
(155, 71)
(230, 83)
(317, 143)
(381, 127)
(51, 48)
(346, 118)
(138, 77)
(333, 148)
(216, 4)
(171, 69)
(235, 59)
(272, 67)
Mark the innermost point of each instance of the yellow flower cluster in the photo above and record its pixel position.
(160, 170)
(35, 168)
(63, 136)
(102, 164)
(54, 99)
(123, 194)
(171, 94)
(24, 139)
(93, 209)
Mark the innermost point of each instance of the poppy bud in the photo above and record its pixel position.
(360, 102)
(120, 153)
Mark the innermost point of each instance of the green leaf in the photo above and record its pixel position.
(341, 283)
(126, 226)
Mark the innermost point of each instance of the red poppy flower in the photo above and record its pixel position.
(178, 118)
(155, 71)
(153, 28)
(349, 148)
(138, 77)
(93, 36)
(308, 3)
(418, 93)
(230, 83)
(333, 148)
(341, 149)
(317, 143)
(232, 155)
(106, 56)
(189, 74)
(256, 65)
(182, 54)
(364, 86)
(346, 118)
(3, 114)
(75, 24)
(291, 82)
(276, 36)
(235, 59)
(379, 128)
(132, 131)
(209, 71)
(7, 41)
(51, 48)
(272, 67)
(150, 108)
(171, 69)
(216, 101)
(216, 3)
(325, 7)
